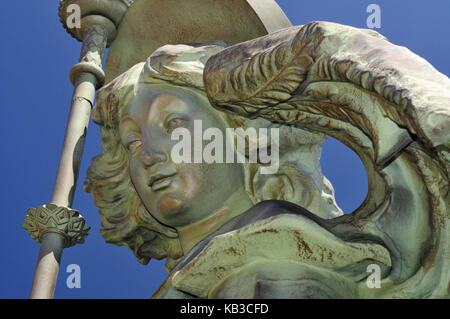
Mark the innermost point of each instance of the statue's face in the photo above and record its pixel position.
(175, 194)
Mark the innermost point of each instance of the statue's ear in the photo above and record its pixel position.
(287, 184)
(292, 185)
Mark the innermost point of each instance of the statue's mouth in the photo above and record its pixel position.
(161, 180)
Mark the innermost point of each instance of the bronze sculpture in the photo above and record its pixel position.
(223, 240)
(220, 224)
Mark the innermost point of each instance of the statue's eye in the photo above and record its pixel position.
(133, 142)
(174, 123)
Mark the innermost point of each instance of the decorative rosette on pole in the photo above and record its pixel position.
(59, 220)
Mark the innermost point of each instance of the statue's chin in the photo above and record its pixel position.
(170, 208)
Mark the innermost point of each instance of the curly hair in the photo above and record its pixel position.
(125, 220)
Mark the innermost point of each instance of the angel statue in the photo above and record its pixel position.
(220, 224)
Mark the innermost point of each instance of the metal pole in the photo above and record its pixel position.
(56, 226)
(47, 267)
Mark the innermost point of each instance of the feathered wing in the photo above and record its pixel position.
(386, 103)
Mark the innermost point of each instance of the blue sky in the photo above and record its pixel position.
(36, 56)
